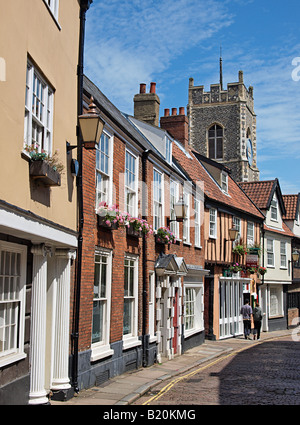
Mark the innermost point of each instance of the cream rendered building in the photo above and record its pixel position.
(39, 43)
(276, 252)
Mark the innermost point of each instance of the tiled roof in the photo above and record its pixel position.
(235, 198)
(290, 202)
(260, 192)
(284, 231)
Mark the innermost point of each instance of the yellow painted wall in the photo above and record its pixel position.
(27, 28)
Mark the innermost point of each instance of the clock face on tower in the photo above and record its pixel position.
(249, 151)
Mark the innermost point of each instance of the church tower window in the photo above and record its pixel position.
(215, 142)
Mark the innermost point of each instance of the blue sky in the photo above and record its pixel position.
(129, 42)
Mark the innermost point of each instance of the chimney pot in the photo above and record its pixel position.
(152, 87)
(143, 88)
(167, 112)
(181, 110)
(174, 111)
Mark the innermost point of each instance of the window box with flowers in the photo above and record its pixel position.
(43, 167)
(137, 227)
(110, 217)
(165, 236)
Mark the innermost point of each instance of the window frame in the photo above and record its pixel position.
(197, 222)
(283, 255)
(53, 7)
(186, 228)
(130, 339)
(250, 234)
(106, 175)
(17, 352)
(159, 203)
(197, 303)
(39, 95)
(278, 292)
(274, 209)
(213, 235)
(213, 141)
(102, 348)
(134, 188)
(174, 197)
(237, 223)
(270, 252)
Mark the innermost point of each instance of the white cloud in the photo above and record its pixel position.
(129, 42)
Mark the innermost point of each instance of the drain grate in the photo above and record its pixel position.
(102, 377)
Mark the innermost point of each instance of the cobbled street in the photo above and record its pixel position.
(266, 373)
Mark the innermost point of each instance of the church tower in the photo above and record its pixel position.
(222, 126)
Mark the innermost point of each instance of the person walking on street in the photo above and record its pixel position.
(257, 318)
(246, 312)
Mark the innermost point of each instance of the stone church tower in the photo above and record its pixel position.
(222, 126)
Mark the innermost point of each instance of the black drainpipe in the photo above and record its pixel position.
(84, 6)
(144, 216)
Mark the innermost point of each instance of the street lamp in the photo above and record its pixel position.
(295, 256)
(91, 126)
(180, 209)
(233, 233)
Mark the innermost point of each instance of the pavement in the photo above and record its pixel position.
(128, 387)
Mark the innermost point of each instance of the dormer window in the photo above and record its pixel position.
(224, 181)
(215, 142)
(168, 150)
(274, 210)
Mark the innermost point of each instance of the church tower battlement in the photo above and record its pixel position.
(222, 126)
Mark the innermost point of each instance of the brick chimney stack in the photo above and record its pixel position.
(176, 125)
(146, 105)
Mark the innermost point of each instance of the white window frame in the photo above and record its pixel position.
(224, 181)
(213, 223)
(275, 295)
(101, 349)
(186, 221)
(174, 196)
(168, 150)
(152, 306)
(158, 200)
(131, 183)
(130, 339)
(283, 255)
(53, 6)
(104, 173)
(197, 222)
(270, 253)
(194, 296)
(237, 223)
(38, 121)
(9, 278)
(274, 209)
(250, 233)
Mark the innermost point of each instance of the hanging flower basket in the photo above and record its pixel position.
(109, 216)
(239, 250)
(262, 270)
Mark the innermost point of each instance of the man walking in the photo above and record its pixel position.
(246, 312)
(257, 318)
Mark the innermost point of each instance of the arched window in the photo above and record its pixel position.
(215, 142)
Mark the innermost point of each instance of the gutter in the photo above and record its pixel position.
(84, 6)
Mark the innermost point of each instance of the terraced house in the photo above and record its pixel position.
(38, 199)
(276, 252)
(142, 283)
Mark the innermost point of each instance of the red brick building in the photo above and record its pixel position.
(141, 297)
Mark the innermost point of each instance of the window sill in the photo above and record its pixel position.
(101, 352)
(187, 243)
(12, 358)
(131, 342)
(191, 332)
